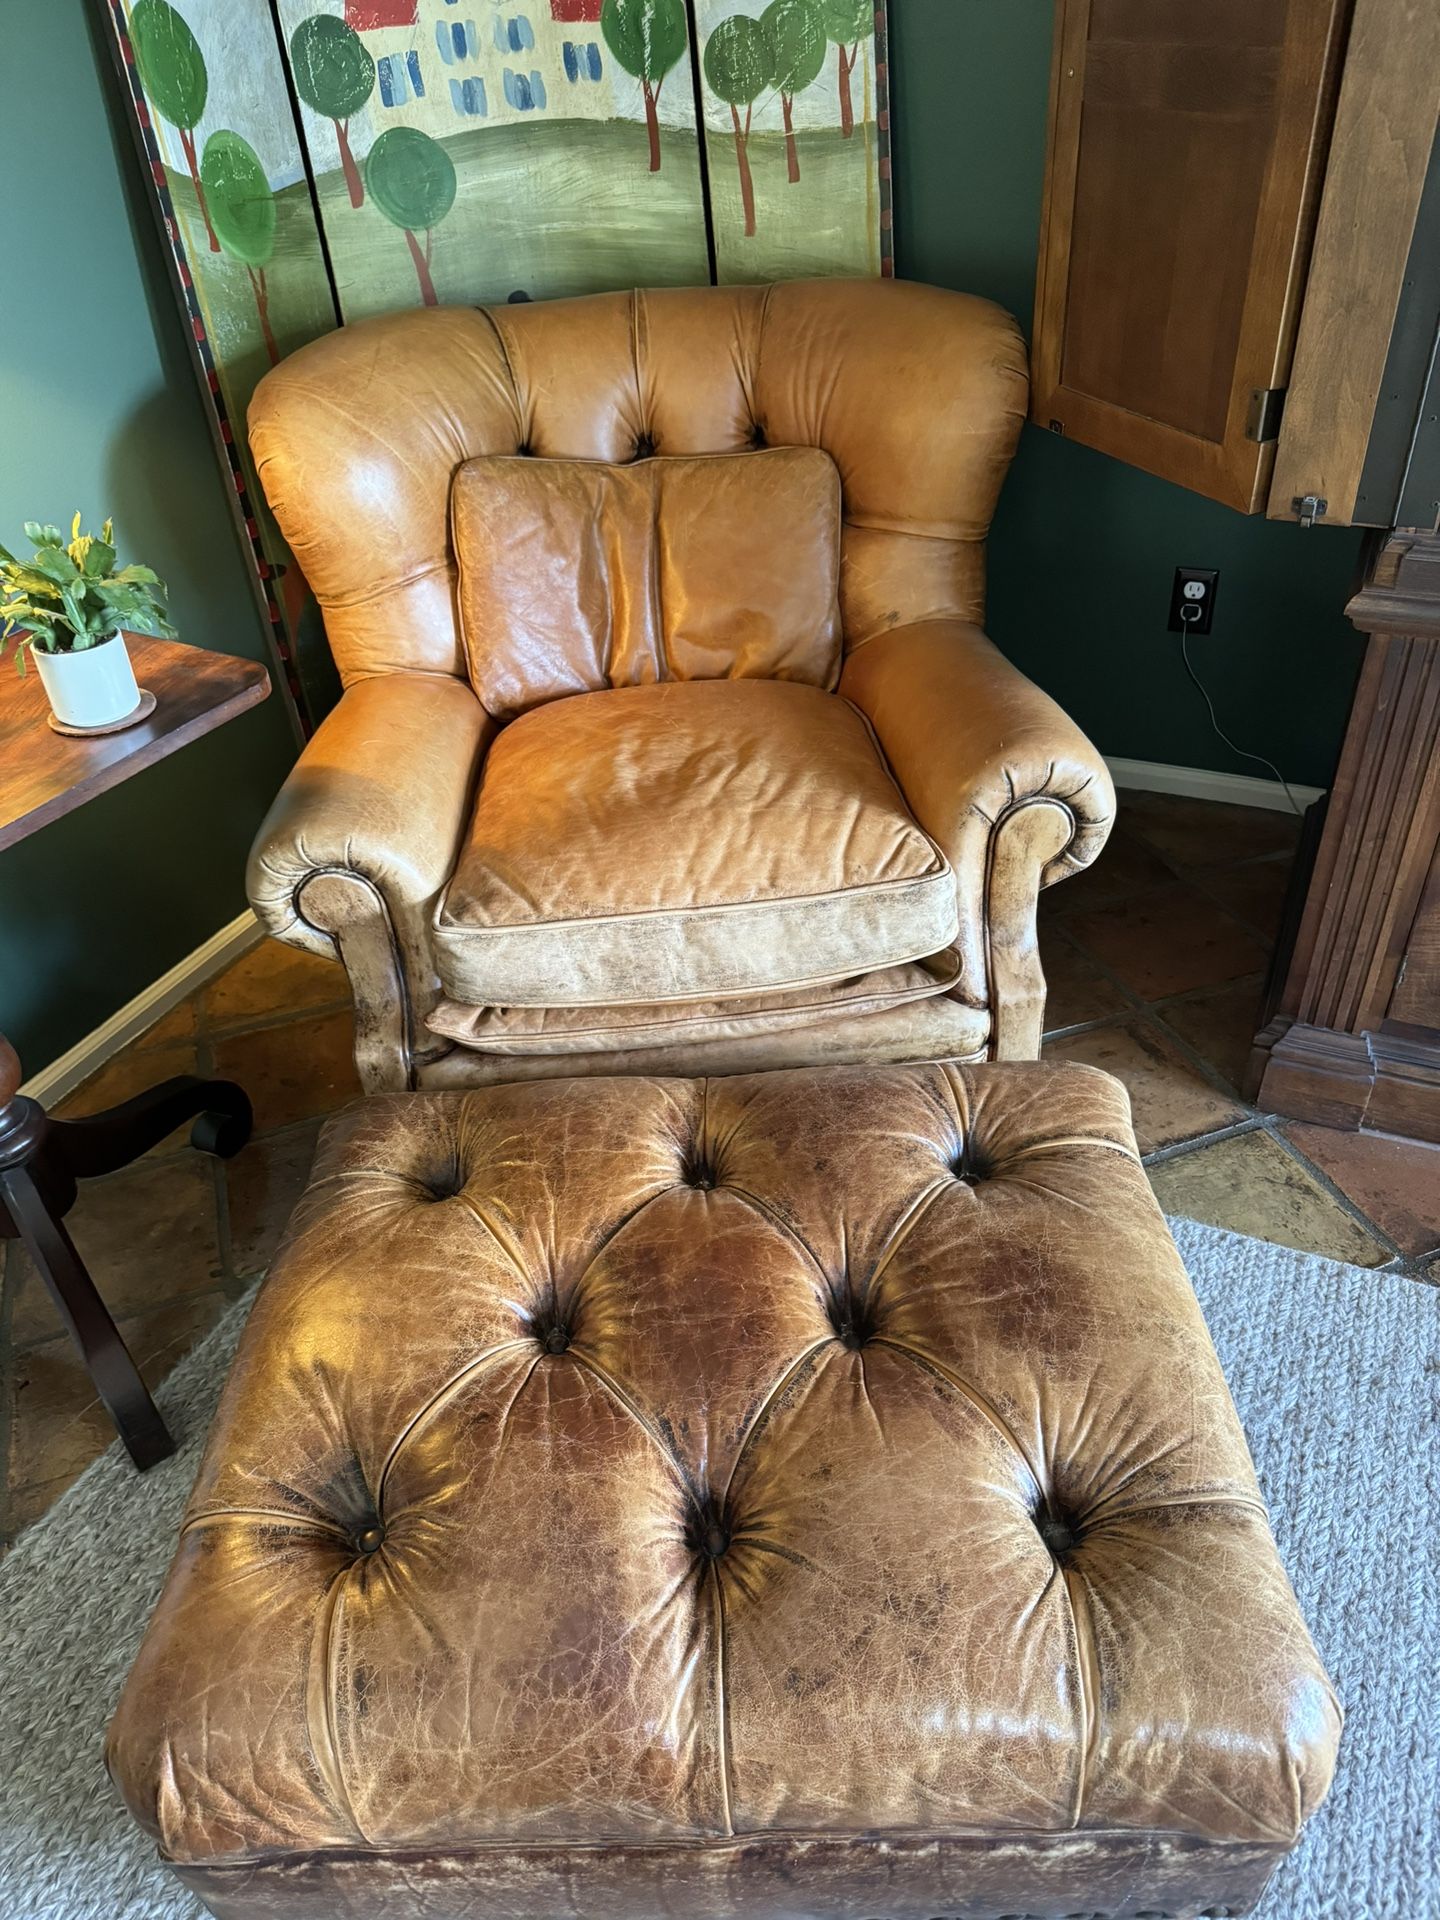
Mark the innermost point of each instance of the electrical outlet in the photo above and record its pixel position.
(1192, 599)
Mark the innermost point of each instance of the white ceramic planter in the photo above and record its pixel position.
(90, 689)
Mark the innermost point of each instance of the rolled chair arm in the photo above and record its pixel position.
(1006, 784)
(360, 842)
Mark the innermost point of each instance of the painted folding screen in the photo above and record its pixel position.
(319, 160)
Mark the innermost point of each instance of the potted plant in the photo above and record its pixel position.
(70, 606)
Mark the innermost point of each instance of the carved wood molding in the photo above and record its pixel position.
(1336, 1052)
(1384, 816)
(1384, 1082)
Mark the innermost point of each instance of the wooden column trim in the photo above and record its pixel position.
(1335, 1053)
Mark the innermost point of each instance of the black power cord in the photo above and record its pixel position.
(1204, 692)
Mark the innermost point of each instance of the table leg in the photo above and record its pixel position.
(40, 1161)
(117, 1379)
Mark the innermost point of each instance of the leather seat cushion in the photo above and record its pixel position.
(629, 1490)
(686, 841)
(571, 1030)
(576, 575)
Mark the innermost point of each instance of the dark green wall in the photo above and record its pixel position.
(99, 410)
(1084, 548)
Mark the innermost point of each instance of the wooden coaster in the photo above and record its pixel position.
(133, 718)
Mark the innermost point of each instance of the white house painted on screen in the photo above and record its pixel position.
(442, 63)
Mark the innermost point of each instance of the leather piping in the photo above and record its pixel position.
(722, 1699)
(320, 1698)
(977, 1400)
(480, 1364)
(1087, 1682)
(936, 871)
(218, 1516)
(762, 1413)
(1063, 1839)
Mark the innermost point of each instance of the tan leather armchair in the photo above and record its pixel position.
(670, 740)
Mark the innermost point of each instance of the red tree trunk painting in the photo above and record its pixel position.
(422, 268)
(792, 153)
(347, 161)
(742, 157)
(847, 104)
(262, 307)
(187, 141)
(652, 122)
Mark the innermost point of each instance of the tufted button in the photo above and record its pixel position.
(644, 446)
(972, 1165)
(853, 1323)
(757, 435)
(1057, 1530)
(709, 1531)
(557, 1339)
(525, 451)
(697, 1172)
(444, 1185)
(370, 1539)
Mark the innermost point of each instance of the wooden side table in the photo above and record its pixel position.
(44, 775)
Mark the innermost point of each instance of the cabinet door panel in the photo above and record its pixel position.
(1185, 148)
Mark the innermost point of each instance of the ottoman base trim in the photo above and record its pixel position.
(979, 1876)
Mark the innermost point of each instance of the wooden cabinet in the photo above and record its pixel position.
(1239, 291)
(1187, 146)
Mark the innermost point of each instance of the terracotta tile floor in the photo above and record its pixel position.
(1155, 958)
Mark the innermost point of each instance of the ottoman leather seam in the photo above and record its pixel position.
(211, 1516)
(320, 1716)
(1062, 1837)
(762, 1413)
(1087, 1681)
(982, 1405)
(452, 1386)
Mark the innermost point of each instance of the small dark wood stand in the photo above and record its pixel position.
(40, 1162)
(44, 775)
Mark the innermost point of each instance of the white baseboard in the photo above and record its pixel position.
(62, 1076)
(1201, 783)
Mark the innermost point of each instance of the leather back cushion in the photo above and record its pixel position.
(917, 395)
(576, 576)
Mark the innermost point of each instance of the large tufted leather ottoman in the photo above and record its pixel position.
(812, 1494)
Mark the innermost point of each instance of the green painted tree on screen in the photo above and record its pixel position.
(738, 68)
(797, 53)
(412, 181)
(334, 76)
(172, 72)
(648, 38)
(849, 23)
(242, 205)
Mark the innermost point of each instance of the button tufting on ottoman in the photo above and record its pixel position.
(811, 1494)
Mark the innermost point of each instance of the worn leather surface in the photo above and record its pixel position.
(382, 793)
(576, 576)
(688, 840)
(969, 739)
(917, 395)
(937, 1027)
(979, 1876)
(912, 395)
(571, 1030)
(826, 1458)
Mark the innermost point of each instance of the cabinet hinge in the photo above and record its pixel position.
(1262, 423)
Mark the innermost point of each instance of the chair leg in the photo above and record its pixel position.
(117, 1379)
(1022, 846)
